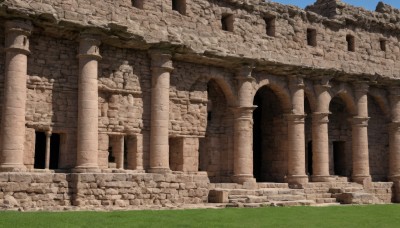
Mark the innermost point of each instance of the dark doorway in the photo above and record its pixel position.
(339, 158)
(54, 150)
(268, 137)
(40, 150)
(309, 158)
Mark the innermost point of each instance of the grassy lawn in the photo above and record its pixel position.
(342, 216)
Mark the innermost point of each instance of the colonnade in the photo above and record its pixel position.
(13, 117)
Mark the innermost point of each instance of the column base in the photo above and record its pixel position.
(9, 167)
(241, 179)
(297, 179)
(361, 179)
(323, 178)
(85, 169)
(160, 170)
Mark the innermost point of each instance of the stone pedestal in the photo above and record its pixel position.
(87, 134)
(161, 67)
(14, 105)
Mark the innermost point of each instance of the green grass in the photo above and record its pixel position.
(343, 216)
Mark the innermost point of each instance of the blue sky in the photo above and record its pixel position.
(368, 4)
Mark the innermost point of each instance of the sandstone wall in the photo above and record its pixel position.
(54, 191)
(200, 31)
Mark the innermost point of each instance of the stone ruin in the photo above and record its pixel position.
(174, 103)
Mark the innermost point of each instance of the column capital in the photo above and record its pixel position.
(17, 33)
(394, 91)
(48, 133)
(320, 117)
(161, 59)
(295, 118)
(296, 81)
(244, 73)
(89, 46)
(361, 86)
(243, 112)
(394, 126)
(359, 121)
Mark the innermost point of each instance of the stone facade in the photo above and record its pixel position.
(121, 103)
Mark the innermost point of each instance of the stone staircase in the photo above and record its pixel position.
(337, 192)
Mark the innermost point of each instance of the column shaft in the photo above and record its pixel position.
(360, 135)
(87, 154)
(296, 135)
(243, 145)
(320, 146)
(47, 155)
(159, 127)
(13, 115)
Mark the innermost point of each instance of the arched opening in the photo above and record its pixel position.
(340, 149)
(269, 136)
(378, 141)
(308, 137)
(216, 149)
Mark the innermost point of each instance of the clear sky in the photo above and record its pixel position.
(368, 4)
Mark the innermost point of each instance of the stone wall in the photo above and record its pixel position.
(49, 191)
(199, 30)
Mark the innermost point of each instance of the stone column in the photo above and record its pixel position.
(394, 142)
(394, 135)
(87, 153)
(296, 135)
(161, 67)
(320, 137)
(47, 156)
(360, 135)
(14, 103)
(243, 128)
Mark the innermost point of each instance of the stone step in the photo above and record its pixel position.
(273, 185)
(273, 204)
(318, 195)
(325, 200)
(346, 190)
(356, 198)
(265, 191)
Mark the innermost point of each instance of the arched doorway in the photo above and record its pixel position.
(269, 134)
(378, 141)
(340, 148)
(215, 150)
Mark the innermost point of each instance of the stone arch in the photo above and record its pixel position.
(225, 84)
(310, 95)
(378, 134)
(380, 98)
(216, 148)
(345, 92)
(279, 87)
